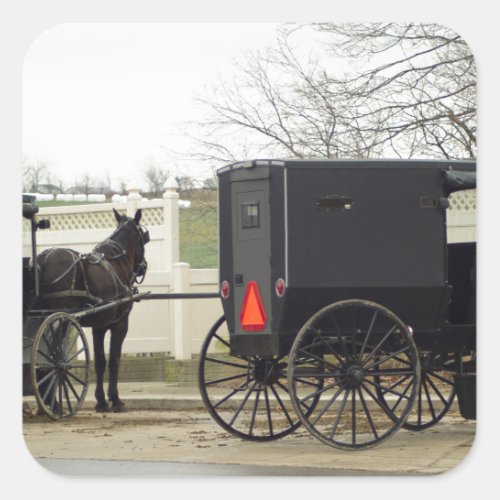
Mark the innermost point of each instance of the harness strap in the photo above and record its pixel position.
(71, 293)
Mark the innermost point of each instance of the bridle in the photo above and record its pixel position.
(140, 264)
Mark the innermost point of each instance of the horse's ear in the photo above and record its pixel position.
(118, 217)
(137, 216)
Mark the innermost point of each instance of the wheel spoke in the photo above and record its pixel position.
(396, 404)
(226, 363)
(68, 351)
(380, 344)
(389, 357)
(341, 411)
(374, 398)
(73, 390)
(268, 411)
(319, 360)
(50, 360)
(368, 333)
(243, 403)
(79, 380)
(387, 389)
(353, 416)
(419, 405)
(48, 375)
(429, 399)
(321, 391)
(224, 341)
(83, 349)
(60, 395)
(256, 405)
(68, 401)
(343, 346)
(226, 379)
(437, 391)
(328, 346)
(442, 379)
(367, 413)
(328, 404)
(280, 402)
(390, 372)
(232, 393)
(353, 336)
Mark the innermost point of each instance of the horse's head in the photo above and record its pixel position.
(133, 237)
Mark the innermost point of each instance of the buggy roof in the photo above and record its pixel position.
(469, 165)
(457, 174)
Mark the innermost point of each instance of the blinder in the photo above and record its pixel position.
(144, 235)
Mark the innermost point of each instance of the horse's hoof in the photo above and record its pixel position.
(118, 407)
(101, 407)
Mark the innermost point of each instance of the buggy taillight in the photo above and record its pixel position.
(280, 287)
(253, 316)
(224, 289)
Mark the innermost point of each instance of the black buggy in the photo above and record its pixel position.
(56, 355)
(55, 351)
(345, 309)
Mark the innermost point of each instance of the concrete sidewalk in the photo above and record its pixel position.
(159, 396)
(147, 396)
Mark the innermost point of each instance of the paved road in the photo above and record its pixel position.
(96, 468)
(190, 442)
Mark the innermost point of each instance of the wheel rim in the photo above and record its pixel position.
(247, 395)
(436, 391)
(365, 349)
(60, 366)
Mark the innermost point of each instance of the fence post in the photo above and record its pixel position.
(182, 316)
(133, 197)
(171, 223)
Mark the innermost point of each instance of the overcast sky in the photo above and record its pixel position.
(103, 97)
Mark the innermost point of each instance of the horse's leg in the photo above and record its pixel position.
(118, 333)
(100, 368)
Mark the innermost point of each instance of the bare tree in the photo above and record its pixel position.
(370, 90)
(416, 89)
(85, 183)
(155, 176)
(34, 172)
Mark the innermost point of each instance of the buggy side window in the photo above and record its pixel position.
(250, 215)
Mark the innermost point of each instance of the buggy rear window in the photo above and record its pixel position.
(250, 215)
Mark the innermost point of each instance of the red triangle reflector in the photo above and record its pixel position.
(253, 315)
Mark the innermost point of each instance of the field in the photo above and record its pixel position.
(198, 235)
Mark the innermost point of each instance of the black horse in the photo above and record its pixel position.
(69, 280)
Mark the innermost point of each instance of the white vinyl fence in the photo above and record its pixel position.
(175, 327)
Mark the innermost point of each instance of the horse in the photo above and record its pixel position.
(70, 280)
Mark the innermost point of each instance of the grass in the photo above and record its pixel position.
(198, 235)
(56, 203)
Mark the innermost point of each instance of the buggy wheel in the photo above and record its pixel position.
(248, 395)
(60, 366)
(436, 390)
(356, 347)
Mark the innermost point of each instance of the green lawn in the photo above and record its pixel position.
(198, 235)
